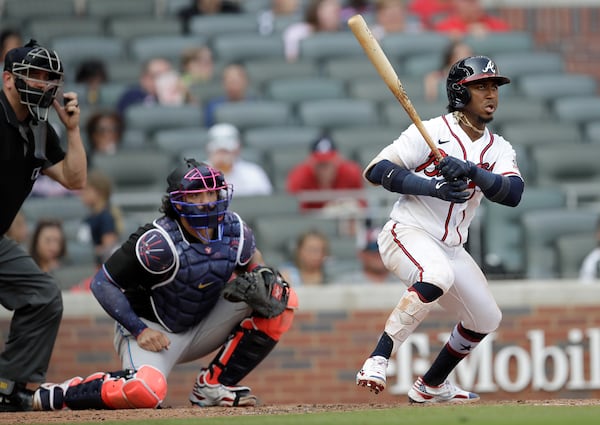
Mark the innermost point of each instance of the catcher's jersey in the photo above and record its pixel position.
(446, 221)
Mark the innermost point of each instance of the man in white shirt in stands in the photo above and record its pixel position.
(224, 153)
(590, 268)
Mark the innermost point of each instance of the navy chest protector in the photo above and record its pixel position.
(200, 273)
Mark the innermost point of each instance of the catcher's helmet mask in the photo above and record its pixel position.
(195, 177)
(466, 71)
(27, 63)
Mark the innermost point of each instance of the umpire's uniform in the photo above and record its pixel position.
(32, 294)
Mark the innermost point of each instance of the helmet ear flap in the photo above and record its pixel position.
(459, 95)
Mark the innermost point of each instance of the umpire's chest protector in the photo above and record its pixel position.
(201, 273)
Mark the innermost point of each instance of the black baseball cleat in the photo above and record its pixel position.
(19, 400)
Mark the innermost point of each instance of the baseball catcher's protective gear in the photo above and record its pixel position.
(263, 289)
(144, 388)
(194, 177)
(468, 70)
(29, 70)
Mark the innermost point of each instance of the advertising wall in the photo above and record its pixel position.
(547, 347)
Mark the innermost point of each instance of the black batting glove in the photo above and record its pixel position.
(451, 191)
(453, 168)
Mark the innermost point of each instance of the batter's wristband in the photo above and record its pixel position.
(387, 181)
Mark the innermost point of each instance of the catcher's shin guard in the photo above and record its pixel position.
(244, 350)
(125, 389)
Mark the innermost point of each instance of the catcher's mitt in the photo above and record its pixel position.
(263, 289)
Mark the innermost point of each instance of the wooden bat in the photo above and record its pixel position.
(363, 34)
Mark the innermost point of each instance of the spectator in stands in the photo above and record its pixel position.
(48, 244)
(468, 17)
(206, 7)
(430, 11)
(92, 73)
(320, 16)
(9, 39)
(590, 268)
(197, 66)
(355, 7)
(159, 83)
(372, 271)
(309, 258)
(235, 84)
(104, 130)
(391, 17)
(103, 226)
(325, 169)
(19, 229)
(433, 80)
(279, 9)
(224, 153)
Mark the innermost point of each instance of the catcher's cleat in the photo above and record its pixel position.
(372, 374)
(52, 396)
(206, 395)
(446, 392)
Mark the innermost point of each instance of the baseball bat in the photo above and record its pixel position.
(378, 58)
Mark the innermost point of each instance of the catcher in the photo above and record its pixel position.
(181, 287)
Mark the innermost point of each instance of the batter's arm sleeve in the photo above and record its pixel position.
(398, 179)
(505, 190)
(115, 303)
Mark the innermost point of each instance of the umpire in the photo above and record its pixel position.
(29, 146)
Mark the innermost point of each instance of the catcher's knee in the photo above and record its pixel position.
(276, 326)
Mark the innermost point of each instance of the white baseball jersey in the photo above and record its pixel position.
(445, 221)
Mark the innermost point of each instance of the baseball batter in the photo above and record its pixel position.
(181, 287)
(422, 243)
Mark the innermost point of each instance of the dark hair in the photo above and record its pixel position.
(92, 123)
(40, 226)
(89, 69)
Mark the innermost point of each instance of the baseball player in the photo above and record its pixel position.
(170, 289)
(30, 147)
(422, 243)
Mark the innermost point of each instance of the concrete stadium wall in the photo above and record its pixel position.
(548, 346)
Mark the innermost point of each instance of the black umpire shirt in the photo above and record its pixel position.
(19, 168)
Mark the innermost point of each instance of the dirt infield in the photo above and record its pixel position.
(67, 416)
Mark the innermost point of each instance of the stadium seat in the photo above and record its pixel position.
(500, 42)
(297, 89)
(571, 250)
(578, 109)
(591, 131)
(551, 87)
(239, 47)
(323, 46)
(519, 109)
(211, 26)
(57, 207)
(120, 8)
(45, 30)
(280, 137)
(516, 64)
(502, 231)
(394, 114)
(29, 9)
(330, 113)
(351, 141)
(351, 68)
(251, 208)
(159, 117)
(541, 132)
(135, 171)
(401, 45)
(166, 46)
(419, 65)
(128, 28)
(259, 113)
(541, 229)
(176, 140)
(261, 71)
(74, 49)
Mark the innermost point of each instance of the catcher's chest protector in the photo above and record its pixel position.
(203, 270)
